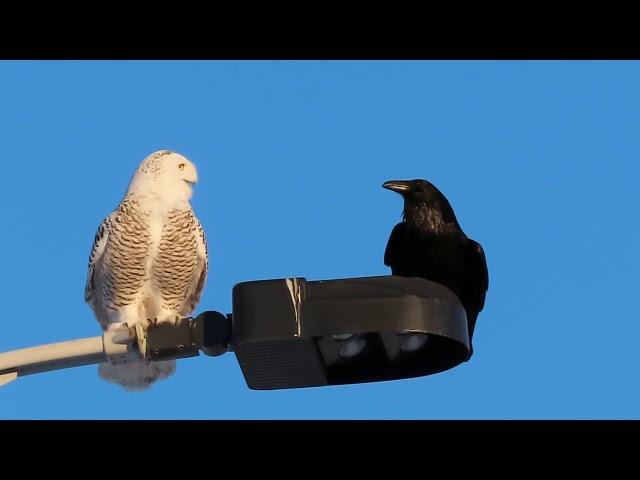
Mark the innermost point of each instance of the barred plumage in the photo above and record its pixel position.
(149, 258)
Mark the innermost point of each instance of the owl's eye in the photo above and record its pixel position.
(181, 166)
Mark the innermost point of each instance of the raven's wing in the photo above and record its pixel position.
(478, 273)
(477, 284)
(393, 252)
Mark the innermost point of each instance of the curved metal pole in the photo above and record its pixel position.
(209, 331)
(116, 345)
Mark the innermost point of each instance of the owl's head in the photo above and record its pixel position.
(165, 175)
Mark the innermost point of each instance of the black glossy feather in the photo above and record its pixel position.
(430, 244)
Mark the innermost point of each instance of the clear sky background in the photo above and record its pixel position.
(539, 160)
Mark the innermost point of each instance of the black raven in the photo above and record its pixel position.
(429, 243)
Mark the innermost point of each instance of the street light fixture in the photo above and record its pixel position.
(292, 333)
(295, 333)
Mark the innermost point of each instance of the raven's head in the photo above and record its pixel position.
(424, 205)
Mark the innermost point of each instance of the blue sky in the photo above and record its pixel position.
(540, 160)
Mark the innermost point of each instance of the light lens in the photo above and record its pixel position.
(353, 348)
(414, 342)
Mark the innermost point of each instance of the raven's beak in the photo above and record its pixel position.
(399, 186)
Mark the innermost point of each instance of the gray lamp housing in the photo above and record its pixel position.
(291, 333)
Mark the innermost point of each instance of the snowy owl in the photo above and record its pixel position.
(149, 260)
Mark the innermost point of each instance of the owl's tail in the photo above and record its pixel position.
(136, 376)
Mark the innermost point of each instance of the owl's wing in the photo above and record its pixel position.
(97, 250)
(200, 274)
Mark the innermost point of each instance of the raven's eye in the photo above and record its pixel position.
(181, 166)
